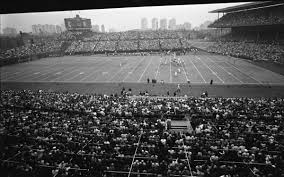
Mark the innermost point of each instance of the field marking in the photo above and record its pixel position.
(244, 73)
(225, 69)
(210, 69)
(158, 69)
(184, 71)
(133, 69)
(28, 73)
(62, 75)
(45, 76)
(75, 76)
(139, 80)
(121, 69)
(171, 79)
(95, 71)
(198, 71)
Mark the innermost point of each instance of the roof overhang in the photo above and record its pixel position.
(247, 6)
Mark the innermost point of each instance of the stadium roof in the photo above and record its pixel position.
(258, 4)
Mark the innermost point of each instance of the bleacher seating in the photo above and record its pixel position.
(70, 134)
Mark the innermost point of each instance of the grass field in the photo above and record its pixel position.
(198, 69)
(107, 75)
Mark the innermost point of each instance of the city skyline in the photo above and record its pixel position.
(116, 18)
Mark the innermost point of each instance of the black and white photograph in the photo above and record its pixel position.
(173, 90)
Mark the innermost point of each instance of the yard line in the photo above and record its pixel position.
(30, 75)
(225, 70)
(198, 71)
(210, 69)
(95, 71)
(139, 80)
(245, 73)
(158, 68)
(121, 69)
(74, 76)
(133, 69)
(65, 73)
(184, 71)
(27, 73)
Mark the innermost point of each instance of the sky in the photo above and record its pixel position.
(120, 19)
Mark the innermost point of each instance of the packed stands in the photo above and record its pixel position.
(149, 44)
(170, 44)
(32, 49)
(106, 46)
(70, 134)
(130, 45)
(256, 31)
(265, 16)
(129, 35)
(252, 51)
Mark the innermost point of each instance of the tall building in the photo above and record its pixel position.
(35, 29)
(163, 24)
(58, 29)
(103, 30)
(144, 23)
(96, 28)
(172, 24)
(154, 24)
(187, 26)
(9, 31)
(112, 30)
(46, 29)
(205, 25)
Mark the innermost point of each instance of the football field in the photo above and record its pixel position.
(198, 69)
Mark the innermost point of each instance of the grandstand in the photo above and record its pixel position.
(147, 103)
(256, 31)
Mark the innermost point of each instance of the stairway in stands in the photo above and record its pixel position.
(181, 126)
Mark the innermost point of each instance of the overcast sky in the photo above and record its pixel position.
(120, 18)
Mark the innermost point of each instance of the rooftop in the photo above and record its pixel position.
(252, 5)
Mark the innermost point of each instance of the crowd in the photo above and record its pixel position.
(130, 45)
(252, 18)
(250, 50)
(69, 134)
(140, 41)
(170, 44)
(46, 47)
(103, 46)
(128, 41)
(129, 35)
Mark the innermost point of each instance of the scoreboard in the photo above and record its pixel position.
(77, 23)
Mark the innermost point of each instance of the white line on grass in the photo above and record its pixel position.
(210, 69)
(95, 70)
(198, 71)
(225, 70)
(139, 80)
(133, 69)
(46, 71)
(121, 69)
(75, 76)
(184, 71)
(27, 73)
(158, 68)
(245, 74)
(71, 71)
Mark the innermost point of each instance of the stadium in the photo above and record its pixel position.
(147, 103)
